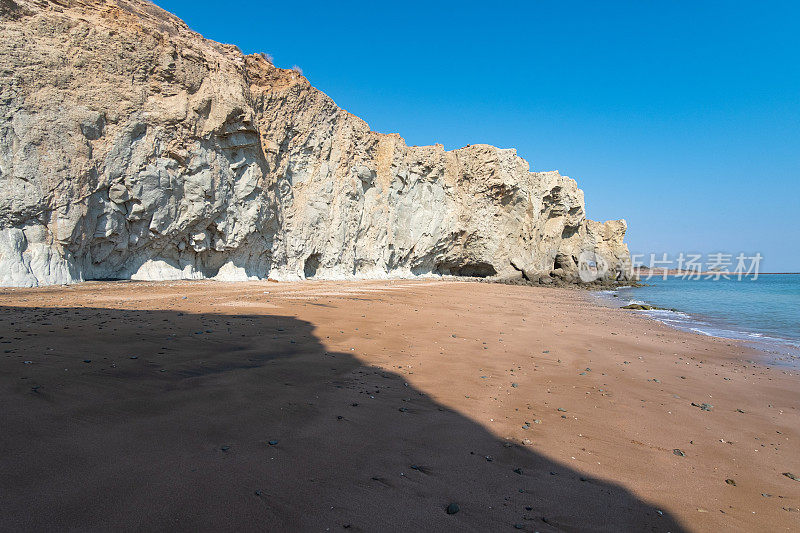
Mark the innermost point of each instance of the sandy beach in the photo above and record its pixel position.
(375, 405)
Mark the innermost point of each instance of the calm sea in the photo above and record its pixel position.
(765, 312)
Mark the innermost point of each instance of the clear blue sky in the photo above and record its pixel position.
(682, 117)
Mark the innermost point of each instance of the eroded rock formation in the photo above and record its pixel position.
(131, 147)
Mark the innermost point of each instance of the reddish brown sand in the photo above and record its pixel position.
(150, 406)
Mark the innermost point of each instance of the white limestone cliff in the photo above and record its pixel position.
(131, 147)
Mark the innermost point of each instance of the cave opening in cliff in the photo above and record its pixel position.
(565, 262)
(311, 265)
(473, 270)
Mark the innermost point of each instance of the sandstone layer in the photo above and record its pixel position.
(132, 147)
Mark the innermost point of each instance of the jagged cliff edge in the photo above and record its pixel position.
(131, 147)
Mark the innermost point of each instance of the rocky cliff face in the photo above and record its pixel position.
(131, 147)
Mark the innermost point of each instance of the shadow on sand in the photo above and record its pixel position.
(159, 420)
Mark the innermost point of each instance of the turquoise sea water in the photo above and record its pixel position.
(765, 312)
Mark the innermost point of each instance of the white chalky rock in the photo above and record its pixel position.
(131, 147)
